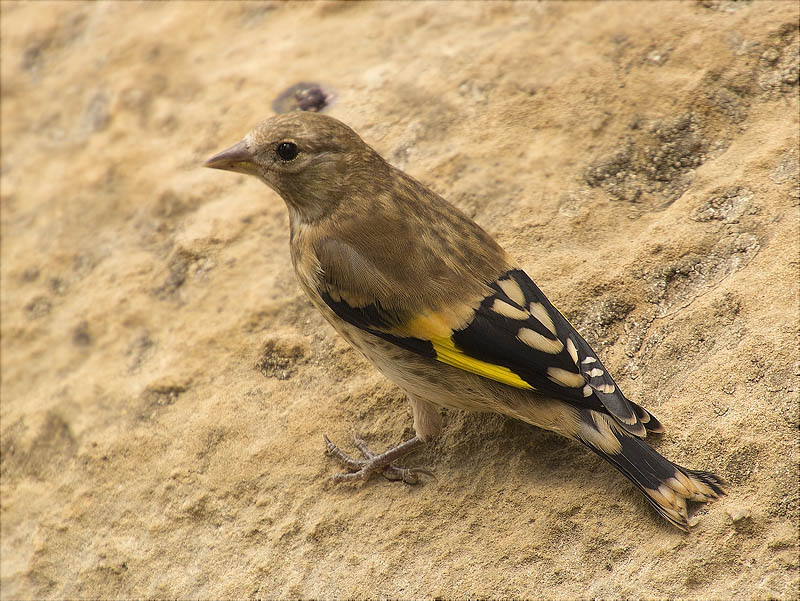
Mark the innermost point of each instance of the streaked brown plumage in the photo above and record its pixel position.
(441, 309)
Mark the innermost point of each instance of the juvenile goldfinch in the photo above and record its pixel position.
(441, 309)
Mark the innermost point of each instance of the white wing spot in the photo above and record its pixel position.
(513, 291)
(595, 372)
(587, 390)
(573, 352)
(503, 308)
(570, 379)
(588, 360)
(607, 388)
(540, 313)
(539, 342)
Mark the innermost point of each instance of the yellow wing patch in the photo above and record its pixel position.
(429, 326)
(446, 352)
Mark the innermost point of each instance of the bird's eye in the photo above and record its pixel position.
(286, 151)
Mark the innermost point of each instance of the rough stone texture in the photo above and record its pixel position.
(165, 385)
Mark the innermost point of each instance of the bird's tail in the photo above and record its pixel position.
(666, 485)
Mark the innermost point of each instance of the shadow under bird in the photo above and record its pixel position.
(442, 310)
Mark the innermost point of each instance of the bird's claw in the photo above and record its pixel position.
(362, 469)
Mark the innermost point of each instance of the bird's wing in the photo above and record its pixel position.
(517, 327)
(513, 335)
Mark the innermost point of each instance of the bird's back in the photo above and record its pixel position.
(405, 248)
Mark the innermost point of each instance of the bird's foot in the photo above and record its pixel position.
(362, 469)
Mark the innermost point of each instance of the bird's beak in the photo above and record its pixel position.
(236, 158)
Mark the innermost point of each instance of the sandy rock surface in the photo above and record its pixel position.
(166, 386)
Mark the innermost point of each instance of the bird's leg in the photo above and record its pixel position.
(362, 469)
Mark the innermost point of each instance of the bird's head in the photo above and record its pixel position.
(313, 161)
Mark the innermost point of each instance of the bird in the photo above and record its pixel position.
(442, 310)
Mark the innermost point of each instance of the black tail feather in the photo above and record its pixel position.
(666, 485)
(649, 421)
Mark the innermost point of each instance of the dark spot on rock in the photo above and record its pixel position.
(595, 321)
(139, 350)
(48, 453)
(178, 267)
(32, 57)
(80, 335)
(697, 573)
(97, 116)
(742, 463)
(254, 12)
(724, 205)
(38, 307)
(280, 359)
(58, 286)
(724, 6)
(303, 96)
(210, 441)
(654, 163)
(677, 283)
(31, 274)
(612, 310)
(731, 103)
(67, 32)
(170, 204)
(183, 264)
(177, 275)
(137, 100)
(787, 170)
(727, 308)
(778, 70)
(82, 264)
